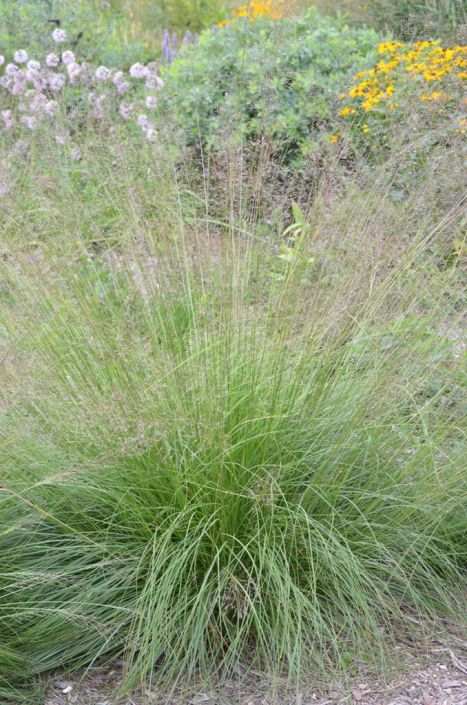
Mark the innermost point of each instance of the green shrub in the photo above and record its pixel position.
(266, 79)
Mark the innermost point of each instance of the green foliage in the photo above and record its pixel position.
(177, 15)
(263, 79)
(96, 184)
(405, 19)
(98, 33)
(425, 19)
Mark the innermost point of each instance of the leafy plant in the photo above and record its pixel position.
(410, 103)
(407, 74)
(265, 81)
(96, 32)
(425, 19)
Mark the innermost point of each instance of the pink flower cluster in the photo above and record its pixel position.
(33, 91)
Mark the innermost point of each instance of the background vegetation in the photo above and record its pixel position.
(232, 358)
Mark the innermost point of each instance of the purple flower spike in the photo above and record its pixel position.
(166, 46)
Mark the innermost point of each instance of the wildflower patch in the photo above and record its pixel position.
(60, 92)
(423, 73)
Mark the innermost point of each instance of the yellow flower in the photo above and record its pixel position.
(365, 128)
(258, 8)
(359, 89)
(388, 66)
(272, 9)
(422, 63)
(432, 75)
(419, 46)
(389, 46)
(346, 111)
(435, 95)
(334, 139)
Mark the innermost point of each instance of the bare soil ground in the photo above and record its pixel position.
(434, 675)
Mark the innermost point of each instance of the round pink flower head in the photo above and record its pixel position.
(59, 35)
(151, 102)
(138, 71)
(153, 81)
(11, 69)
(68, 57)
(8, 119)
(142, 120)
(17, 84)
(20, 56)
(38, 103)
(99, 107)
(125, 110)
(73, 70)
(29, 121)
(102, 73)
(38, 81)
(51, 107)
(52, 60)
(56, 82)
(33, 65)
(150, 134)
(122, 87)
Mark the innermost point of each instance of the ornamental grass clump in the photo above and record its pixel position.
(205, 467)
